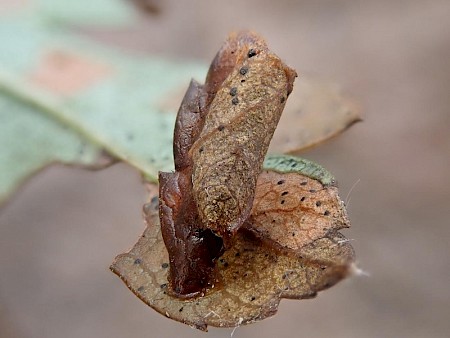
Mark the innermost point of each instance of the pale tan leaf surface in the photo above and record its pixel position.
(292, 210)
(316, 111)
(251, 276)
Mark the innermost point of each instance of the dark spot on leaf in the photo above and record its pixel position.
(165, 265)
(318, 203)
(326, 213)
(304, 183)
(243, 80)
(280, 182)
(251, 53)
(302, 199)
(137, 261)
(233, 91)
(163, 286)
(201, 150)
(284, 193)
(312, 190)
(293, 234)
(237, 254)
(252, 299)
(282, 99)
(282, 201)
(220, 128)
(243, 70)
(140, 289)
(235, 101)
(181, 309)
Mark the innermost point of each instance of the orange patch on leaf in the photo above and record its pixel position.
(65, 73)
(10, 6)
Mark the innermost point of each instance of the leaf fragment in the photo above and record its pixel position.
(264, 264)
(107, 105)
(248, 93)
(231, 241)
(252, 277)
(30, 141)
(293, 207)
(222, 132)
(317, 110)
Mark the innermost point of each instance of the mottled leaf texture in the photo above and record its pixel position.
(296, 203)
(317, 110)
(254, 274)
(233, 237)
(222, 133)
(250, 92)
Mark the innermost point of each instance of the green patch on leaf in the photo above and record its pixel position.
(293, 164)
(121, 103)
(30, 141)
(93, 12)
(110, 101)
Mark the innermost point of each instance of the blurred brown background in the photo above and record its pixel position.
(59, 234)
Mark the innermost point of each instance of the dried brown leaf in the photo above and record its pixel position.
(230, 241)
(248, 86)
(222, 133)
(252, 278)
(316, 111)
(292, 210)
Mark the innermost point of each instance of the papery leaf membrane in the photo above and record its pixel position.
(252, 277)
(294, 207)
(316, 111)
(263, 265)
